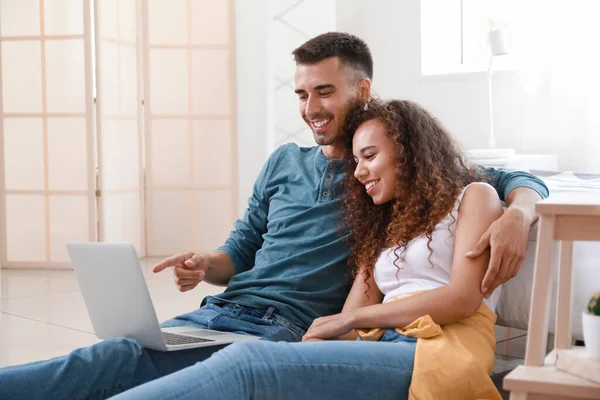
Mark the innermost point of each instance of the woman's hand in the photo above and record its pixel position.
(329, 327)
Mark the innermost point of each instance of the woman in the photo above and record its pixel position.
(413, 212)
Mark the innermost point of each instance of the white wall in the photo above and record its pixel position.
(530, 119)
(251, 36)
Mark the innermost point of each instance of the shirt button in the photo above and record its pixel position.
(325, 194)
(329, 176)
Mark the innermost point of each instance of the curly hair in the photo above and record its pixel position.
(431, 172)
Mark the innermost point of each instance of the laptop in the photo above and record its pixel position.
(119, 304)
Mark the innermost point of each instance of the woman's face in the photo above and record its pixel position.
(375, 156)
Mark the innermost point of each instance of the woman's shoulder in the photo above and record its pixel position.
(480, 189)
(477, 195)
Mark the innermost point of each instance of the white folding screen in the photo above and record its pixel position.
(46, 131)
(190, 114)
(119, 122)
(167, 173)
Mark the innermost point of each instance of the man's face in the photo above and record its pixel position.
(326, 95)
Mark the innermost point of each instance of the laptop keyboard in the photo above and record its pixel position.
(173, 339)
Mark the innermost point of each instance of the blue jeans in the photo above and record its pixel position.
(312, 370)
(115, 365)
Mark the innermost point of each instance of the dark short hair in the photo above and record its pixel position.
(351, 50)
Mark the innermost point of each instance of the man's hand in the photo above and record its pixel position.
(189, 269)
(507, 237)
(329, 327)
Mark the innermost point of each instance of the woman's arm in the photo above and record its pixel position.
(364, 292)
(458, 300)
(462, 297)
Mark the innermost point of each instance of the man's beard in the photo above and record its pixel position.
(326, 140)
(329, 139)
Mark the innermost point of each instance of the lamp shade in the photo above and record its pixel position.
(497, 43)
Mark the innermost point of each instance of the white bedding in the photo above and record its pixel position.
(513, 308)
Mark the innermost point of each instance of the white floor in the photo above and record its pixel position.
(42, 313)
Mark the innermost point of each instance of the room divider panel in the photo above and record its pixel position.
(47, 188)
(150, 158)
(190, 114)
(119, 122)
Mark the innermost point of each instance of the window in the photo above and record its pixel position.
(454, 34)
(540, 34)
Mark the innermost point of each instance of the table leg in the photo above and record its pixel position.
(539, 312)
(562, 340)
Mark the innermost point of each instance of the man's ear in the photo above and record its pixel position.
(364, 89)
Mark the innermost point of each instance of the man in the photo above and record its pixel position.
(285, 263)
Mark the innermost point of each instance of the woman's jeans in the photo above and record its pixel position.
(311, 370)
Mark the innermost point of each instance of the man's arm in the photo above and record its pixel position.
(247, 237)
(506, 181)
(523, 199)
(508, 236)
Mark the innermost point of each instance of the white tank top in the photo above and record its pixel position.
(416, 272)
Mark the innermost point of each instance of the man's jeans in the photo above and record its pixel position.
(311, 370)
(115, 365)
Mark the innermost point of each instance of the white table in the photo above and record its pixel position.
(562, 218)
